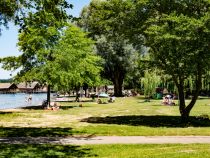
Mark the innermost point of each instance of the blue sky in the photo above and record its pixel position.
(8, 39)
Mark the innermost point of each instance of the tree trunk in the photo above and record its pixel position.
(85, 88)
(197, 90)
(118, 86)
(77, 94)
(182, 110)
(185, 110)
(48, 96)
(185, 116)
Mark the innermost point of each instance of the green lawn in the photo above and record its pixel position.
(127, 116)
(106, 151)
(151, 151)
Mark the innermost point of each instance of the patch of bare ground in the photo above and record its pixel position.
(50, 120)
(41, 119)
(11, 110)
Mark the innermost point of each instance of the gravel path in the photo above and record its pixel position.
(108, 140)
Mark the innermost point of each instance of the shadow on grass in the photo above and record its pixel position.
(35, 132)
(150, 121)
(74, 101)
(38, 107)
(5, 112)
(41, 108)
(47, 151)
(66, 107)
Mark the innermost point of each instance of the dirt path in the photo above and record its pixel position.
(108, 140)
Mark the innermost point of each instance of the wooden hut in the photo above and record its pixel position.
(8, 88)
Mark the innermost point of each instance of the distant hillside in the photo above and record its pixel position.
(5, 80)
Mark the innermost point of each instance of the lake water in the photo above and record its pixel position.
(8, 101)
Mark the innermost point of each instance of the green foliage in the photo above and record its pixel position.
(53, 52)
(178, 36)
(75, 61)
(150, 81)
(118, 54)
(120, 58)
(40, 28)
(105, 22)
(8, 8)
(106, 17)
(21, 10)
(5, 80)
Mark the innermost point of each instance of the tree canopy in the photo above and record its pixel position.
(105, 20)
(150, 82)
(119, 58)
(54, 52)
(20, 10)
(41, 24)
(178, 36)
(176, 33)
(40, 31)
(75, 62)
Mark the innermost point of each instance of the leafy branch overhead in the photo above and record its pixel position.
(21, 10)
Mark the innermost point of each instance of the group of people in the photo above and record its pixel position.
(110, 100)
(52, 106)
(168, 100)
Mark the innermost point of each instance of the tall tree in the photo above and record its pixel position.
(75, 62)
(119, 57)
(40, 30)
(178, 35)
(105, 20)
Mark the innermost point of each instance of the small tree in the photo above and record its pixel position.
(149, 83)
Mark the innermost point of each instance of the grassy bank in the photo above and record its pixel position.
(127, 116)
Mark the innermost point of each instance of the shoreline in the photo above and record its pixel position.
(18, 101)
(20, 107)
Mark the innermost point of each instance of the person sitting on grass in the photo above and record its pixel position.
(54, 106)
(99, 101)
(111, 99)
(167, 100)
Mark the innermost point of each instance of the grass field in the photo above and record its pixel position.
(127, 116)
(106, 151)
